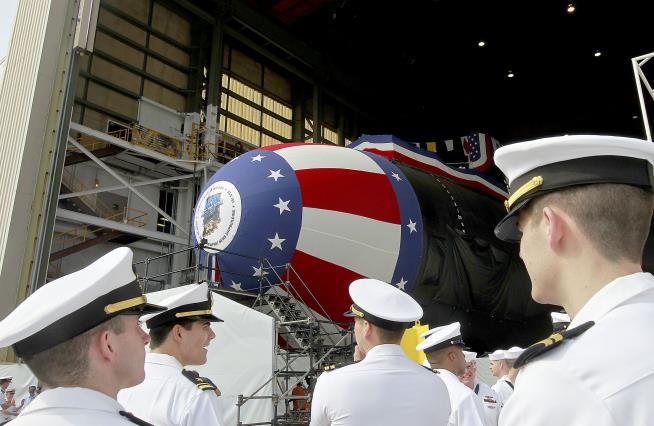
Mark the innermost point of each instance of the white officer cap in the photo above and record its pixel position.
(497, 355)
(191, 302)
(559, 317)
(75, 303)
(442, 337)
(6, 377)
(513, 353)
(547, 165)
(382, 304)
(470, 356)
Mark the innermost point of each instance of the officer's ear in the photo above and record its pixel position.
(177, 333)
(557, 227)
(367, 328)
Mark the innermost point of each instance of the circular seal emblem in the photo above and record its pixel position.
(217, 215)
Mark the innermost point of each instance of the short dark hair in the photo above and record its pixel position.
(158, 335)
(616, 218)
(67, 363)
(389, 336)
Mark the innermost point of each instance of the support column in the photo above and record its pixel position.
(341, 126)
(184, 215)
(299, 99)
(214, 86)
(317, 114)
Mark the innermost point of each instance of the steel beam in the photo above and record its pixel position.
(140, 72)
(195, 10)
(118, 226)
(120, 179)
(118, 187)
(109, 85)
(128, 41)
(122, 15)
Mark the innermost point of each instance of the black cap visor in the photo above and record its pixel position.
(558, 176)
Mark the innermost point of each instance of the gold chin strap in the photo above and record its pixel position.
(193, 313)
(534, 182)
(125, 304)
(356, 312)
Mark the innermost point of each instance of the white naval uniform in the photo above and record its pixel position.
(166, 397)
(384, 389)
(3, 399)
(72, 406)
(29, 399)
(467, 409)
(491, 400)
(604, 376)
(503, 388)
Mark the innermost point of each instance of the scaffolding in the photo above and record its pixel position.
(637, 65)
(310, 341)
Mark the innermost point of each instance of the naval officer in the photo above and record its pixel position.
(490, 399)
(500, 367)
(80, 336)
(581, 208)
(444, 350)
(171, 395)
(385, 388)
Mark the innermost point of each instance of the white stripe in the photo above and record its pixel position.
(432, 162)
(366, 246)
(327, 157)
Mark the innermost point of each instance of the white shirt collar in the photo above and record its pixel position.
(384, 350)
(163, 359)
(612, 295)
(446, 372)
(82, 398)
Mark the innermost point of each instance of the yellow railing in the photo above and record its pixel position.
(223, 150)
(156, 141)
(88, 142)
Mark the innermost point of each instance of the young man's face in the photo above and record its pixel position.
(495, 368)
(460, 362)
(195, 343)
(131, 351)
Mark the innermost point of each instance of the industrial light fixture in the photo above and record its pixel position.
(510, 74)
(481, 43)
(571, 8)
(97, 183)
(597, 53)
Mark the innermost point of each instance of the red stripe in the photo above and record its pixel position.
(432, 169)
(349, 191)
(326, 281)
(216, 269)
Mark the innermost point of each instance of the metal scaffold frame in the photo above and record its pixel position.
(637, 64)
(315, 338)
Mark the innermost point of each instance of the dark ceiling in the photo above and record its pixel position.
(422, 75)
